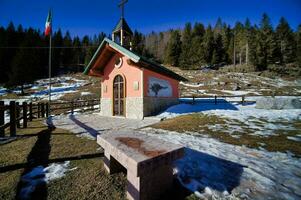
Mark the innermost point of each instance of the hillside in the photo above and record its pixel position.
(212, 82)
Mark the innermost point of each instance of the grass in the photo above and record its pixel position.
(88, 181)
(198, 123)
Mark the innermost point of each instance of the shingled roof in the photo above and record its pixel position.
(140, 60)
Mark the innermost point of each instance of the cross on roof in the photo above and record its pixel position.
(121, 5)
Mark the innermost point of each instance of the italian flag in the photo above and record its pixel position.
(48, 24)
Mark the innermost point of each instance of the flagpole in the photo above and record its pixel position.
(49, 72)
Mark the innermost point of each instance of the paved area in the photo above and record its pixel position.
(90, 125)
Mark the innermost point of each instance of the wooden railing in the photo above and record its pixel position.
(215, 99)
(29, 111)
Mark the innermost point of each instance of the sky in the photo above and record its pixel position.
(88, 17)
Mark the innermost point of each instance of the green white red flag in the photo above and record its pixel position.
(48, 24)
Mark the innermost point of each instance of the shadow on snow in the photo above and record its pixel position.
(199, 105)
(198, 170)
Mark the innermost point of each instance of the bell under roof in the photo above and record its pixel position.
(122, 24)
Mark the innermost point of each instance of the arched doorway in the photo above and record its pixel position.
(118, 96)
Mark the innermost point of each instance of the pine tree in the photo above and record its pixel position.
(267, 49)
(197, 55)
(57, 52)
(218, 52)
(25, 65)
(208, 45)
(285, 38)
(67, 50)
(299, 46)
(252, 45)
(138, 43)
(186, 53)
(173, 49)
(3, 69)
(77, 52)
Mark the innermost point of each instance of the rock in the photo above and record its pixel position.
(279, 103)
(236, 88)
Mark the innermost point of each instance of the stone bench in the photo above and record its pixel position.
(147, 160)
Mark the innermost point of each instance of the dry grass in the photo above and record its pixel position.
(88, 181)
(198, 123)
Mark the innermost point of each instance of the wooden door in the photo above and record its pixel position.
(118, 96)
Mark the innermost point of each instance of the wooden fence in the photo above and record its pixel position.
(217, 99)
(29, 111)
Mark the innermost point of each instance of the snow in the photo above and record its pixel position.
(200, 106)
(60, 86)
(192, 85)
(40, 175)
(296, 138)
(231, 110)
(235, 171)
(85, 93)
(238, 117)
(239, 92)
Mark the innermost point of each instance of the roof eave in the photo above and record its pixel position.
(116, 47)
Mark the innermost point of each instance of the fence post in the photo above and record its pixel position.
(12, 113)
(47, 109)
(18, 114)
(24, 114)
(72, 107)
(30, 111)
(39, 110)
(2, 118)
(42, 110)
(215, 99)
(242, 99)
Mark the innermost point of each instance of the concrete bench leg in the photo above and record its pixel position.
(150, 185)
(112, 165)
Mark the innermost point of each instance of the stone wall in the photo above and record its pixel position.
(155, 105)
(138, 107)
(134, 107)
(278, 103)
(106, 107)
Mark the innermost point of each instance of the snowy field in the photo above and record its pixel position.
(238, 117)
(72, 87)
(212, 169)
(39, 90)
(221, 83)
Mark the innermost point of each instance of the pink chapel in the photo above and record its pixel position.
(131, 85)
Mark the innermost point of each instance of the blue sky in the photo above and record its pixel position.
(93, 16)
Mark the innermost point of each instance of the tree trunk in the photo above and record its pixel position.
(234, 53)
(247, 53)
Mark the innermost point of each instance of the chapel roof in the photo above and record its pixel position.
(140, 60)
(122, 24)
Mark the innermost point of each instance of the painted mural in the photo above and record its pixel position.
(159, 87)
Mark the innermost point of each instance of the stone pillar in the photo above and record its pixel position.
(149, 186)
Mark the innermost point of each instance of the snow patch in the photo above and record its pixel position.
(40, 175)
(232, 171)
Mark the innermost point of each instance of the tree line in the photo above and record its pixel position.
(24, 53)
(257, 45)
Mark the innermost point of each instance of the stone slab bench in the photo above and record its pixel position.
(147, 160)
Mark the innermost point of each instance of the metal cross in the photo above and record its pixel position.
(121, 5)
